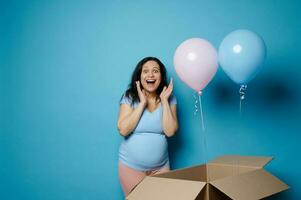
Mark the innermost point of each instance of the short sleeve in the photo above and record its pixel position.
(125, 100)
(172, 100)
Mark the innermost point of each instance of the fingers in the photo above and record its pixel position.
(141, 93)
(138, 86)
(163, 91)
(168, 92)
(170, 87)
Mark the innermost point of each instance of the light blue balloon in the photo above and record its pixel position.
(241, 55)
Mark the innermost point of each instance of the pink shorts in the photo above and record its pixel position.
(129, 177)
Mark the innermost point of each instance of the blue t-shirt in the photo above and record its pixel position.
(146, 147)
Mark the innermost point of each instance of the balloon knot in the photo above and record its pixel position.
(242, 91)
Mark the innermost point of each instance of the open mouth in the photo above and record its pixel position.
(150, 81)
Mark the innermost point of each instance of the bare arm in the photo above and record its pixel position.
(129, 117)
(169, 120)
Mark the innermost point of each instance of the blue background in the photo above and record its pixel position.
(65, 64)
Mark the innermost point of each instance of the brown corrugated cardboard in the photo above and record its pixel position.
(227, 177)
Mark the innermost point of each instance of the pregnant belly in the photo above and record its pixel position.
(147, 148)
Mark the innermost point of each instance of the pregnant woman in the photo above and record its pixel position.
(147, 116)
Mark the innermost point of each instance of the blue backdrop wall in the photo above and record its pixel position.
(65, 64)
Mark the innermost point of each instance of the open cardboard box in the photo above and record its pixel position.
(227, 177)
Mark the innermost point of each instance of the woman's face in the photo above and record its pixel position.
(150, 76)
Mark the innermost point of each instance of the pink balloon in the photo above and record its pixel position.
(196, 63)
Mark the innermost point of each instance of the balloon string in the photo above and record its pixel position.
(195, 104)
(204, 136)
(201, 109)
(242, 92)
(199, 100)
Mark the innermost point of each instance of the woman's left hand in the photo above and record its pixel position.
(166, 92)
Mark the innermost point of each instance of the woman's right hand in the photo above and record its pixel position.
(141, 94)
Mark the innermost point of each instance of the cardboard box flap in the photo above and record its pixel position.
(250, 161)
(196, 173)
(255, 184)
(164, 188)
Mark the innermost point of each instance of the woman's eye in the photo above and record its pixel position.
(156, 71)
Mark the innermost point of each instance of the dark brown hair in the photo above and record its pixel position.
(132, 92)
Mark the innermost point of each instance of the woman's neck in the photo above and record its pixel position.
(151, 95)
